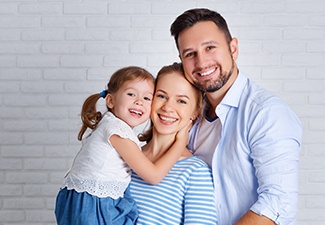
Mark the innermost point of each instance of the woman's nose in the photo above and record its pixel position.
(168, 106)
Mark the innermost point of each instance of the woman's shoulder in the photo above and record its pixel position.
(194, 162)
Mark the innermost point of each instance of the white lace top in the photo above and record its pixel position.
(98, 168)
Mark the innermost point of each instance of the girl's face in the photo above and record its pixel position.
(132, 102)
(174, 103)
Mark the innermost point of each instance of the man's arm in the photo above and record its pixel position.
(251, 218)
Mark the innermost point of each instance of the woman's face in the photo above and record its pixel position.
(174, 103)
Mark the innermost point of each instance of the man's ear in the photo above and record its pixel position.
(109, 101)
(234, 48)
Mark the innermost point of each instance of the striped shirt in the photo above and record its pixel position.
(184, 196)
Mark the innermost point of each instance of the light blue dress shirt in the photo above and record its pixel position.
(255, 163)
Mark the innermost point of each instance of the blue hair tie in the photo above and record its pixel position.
(103, 94)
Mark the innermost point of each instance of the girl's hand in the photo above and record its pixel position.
(183, 134)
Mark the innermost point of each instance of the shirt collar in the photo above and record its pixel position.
(234, 93)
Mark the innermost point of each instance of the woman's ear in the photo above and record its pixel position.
(109, 101)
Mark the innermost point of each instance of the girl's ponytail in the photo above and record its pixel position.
(89, 115)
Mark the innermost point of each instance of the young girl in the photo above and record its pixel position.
(96, 189)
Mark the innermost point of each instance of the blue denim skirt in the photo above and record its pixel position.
(74, 208)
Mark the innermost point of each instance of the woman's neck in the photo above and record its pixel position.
(159, 145)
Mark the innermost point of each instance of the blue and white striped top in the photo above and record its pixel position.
(184, 196)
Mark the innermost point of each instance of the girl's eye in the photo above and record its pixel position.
(147, 99)
(131, 94)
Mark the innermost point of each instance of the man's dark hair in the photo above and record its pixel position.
(192, 16)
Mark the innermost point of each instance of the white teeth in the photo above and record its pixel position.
(135, 111)
(167, 119)
(207, 72)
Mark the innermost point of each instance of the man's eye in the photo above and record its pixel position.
(190, 54)
(210, 48)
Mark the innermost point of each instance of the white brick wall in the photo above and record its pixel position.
(53, 54)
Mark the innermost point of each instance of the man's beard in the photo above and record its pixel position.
(215, 85)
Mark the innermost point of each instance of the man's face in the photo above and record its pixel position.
(208, 60)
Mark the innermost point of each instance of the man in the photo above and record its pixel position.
(249, 137)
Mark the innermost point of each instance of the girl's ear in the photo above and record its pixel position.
(109, 101)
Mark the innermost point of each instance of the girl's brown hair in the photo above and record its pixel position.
(175, 67)
(89, 115)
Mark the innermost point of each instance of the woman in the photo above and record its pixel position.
(185, 195)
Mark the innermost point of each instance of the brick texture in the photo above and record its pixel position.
(54, 54)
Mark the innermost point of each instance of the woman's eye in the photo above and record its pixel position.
(182, 101)
(161, 96)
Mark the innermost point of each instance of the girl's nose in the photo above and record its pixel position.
(138, 102)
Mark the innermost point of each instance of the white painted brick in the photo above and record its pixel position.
(8, 8)
(63, 74)
(37, 61)
(22, 151)
(9, 35)
(125, 60)
(11, 190)
(23, 203)
(10, 164)
(173, 8)
(42, 35)
(284, 47)
(317, 20)
(26, 177)
(86, 35)
(108, 21)
(16, 74)
(19, 22)
(46, 113)
(48, 8)
(303, 34)
(262, 8)
(20, 48)
(112, 47)
(143, 47)
(7, 61)
(316, 47)
(62, 48)
(129, 8)
(9, 138)
(285, 20)
(151, 21)
(26, 126)
(85, 8)
(130, 34)
(80, 61)
(63, 22)
(303, 59)
(12, 216)
(40, 138)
